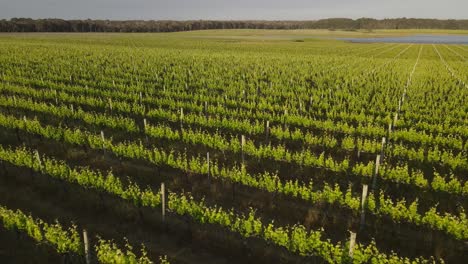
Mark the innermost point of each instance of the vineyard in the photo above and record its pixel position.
(210, 148)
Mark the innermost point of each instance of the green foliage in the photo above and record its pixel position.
(69, 240)
(109, 253)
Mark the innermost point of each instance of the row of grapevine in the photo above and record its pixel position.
(68, 240)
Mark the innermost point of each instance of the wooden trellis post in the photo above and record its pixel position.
(352, 243)
(181, 117)
(208, 163)
(86, 247)
(38, 158)
(103, 142)
(242, 148)
(206, 109)
(267, 130)
(110, 104)
(163, 202)
(363, 204)
(145, 124)
(382, 148)
(376, 172)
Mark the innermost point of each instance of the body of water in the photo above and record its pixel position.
(428, 39)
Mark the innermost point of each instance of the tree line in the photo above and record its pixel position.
(60, 25)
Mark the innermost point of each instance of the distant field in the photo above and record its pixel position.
(273, 146)
(312, 34)
(322, 32)
(232, 35)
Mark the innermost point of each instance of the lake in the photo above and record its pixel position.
(428, 39)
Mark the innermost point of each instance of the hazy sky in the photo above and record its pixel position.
(232, 9)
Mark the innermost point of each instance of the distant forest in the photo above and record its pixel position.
(59, 25)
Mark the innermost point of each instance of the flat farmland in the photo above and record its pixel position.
(233, 146)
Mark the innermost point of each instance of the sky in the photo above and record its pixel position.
(232, 9)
